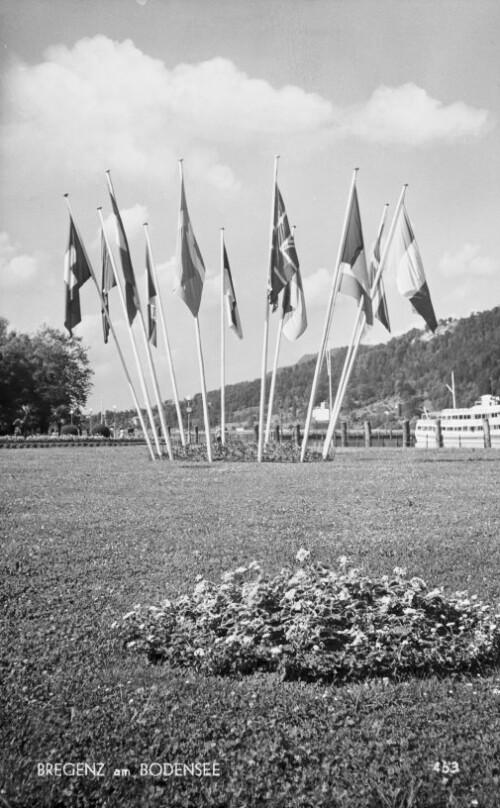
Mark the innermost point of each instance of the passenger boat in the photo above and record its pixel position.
(473, 427)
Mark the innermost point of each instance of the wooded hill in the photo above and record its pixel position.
(398, 378)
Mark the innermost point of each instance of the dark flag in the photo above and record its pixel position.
(151, 299)
(284, 261)
(76, 272)
(107, 282)
(131, 295)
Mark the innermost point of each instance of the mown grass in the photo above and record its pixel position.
(86, 535)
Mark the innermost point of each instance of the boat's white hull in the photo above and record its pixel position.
(477, 427)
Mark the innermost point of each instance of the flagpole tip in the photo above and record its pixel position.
(144, 224)
(65, 196)
(99, 208)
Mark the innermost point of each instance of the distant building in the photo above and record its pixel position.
(321, 414)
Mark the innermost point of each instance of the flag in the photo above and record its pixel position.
(190, 268)
(107, 282)
(76, 272)
(151, 298)
(353, 262)
(404, 255)
(131, 294)
(379, 302)
(284, 261)
(294, 306)
(233, 315)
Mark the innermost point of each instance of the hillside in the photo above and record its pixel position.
(398, 378)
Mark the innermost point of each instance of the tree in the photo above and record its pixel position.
(42, 376)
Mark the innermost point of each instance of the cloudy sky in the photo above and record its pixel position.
(406, 90)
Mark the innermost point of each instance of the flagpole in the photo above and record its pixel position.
(329, 372)
(266, 325)
(350, 357)
(156, 388)
(359, 326)
(203, 390)
(273, 380)
(165, 337)
(120, 354)
(132, 338)
(376, 280)
(275, 366)
(222, 345)
(328, 319)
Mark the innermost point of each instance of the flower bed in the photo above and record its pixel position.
(316, 623)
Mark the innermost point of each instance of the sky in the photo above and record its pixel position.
(408, 91)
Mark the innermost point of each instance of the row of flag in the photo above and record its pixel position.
(354, 277)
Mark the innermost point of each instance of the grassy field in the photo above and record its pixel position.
(89, 533)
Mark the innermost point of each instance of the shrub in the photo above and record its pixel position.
(101, 430)
(69, 429)
(317, 623)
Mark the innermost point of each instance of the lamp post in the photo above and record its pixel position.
(189, 411)
(114, 421)
(90, 420)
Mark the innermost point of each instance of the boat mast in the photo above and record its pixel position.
(452, 390)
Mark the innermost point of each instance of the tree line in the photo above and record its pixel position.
(46, 377)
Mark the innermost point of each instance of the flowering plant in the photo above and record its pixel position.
(316, 623)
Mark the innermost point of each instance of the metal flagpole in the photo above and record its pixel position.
(151, 367)
(222, 345)
(273, 380)
(376, 280)
(120, 354)
(359, 326)
(275, 366)
(165, 337)
(329, 372)
(156, 388)
(203, 390)
(132, 338)
(260, 445)
(328, 319)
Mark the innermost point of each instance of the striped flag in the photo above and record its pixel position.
(379, 302)
(404, 256)
(284, 261)
(190, 268)
(107, 282)
(294, 306)
(131, 294)
(151, 300)
(76, 273)
(233, 315)
(353, 261)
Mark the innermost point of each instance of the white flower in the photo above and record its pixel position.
(302, 555)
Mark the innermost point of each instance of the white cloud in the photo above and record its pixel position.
(104, 104)
(467, 263)
(469, 273)
(107, 104)
(17, 269)
(317, 287)
(133, 220)
(409, 116)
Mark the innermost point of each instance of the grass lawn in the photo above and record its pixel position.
(89, 533)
